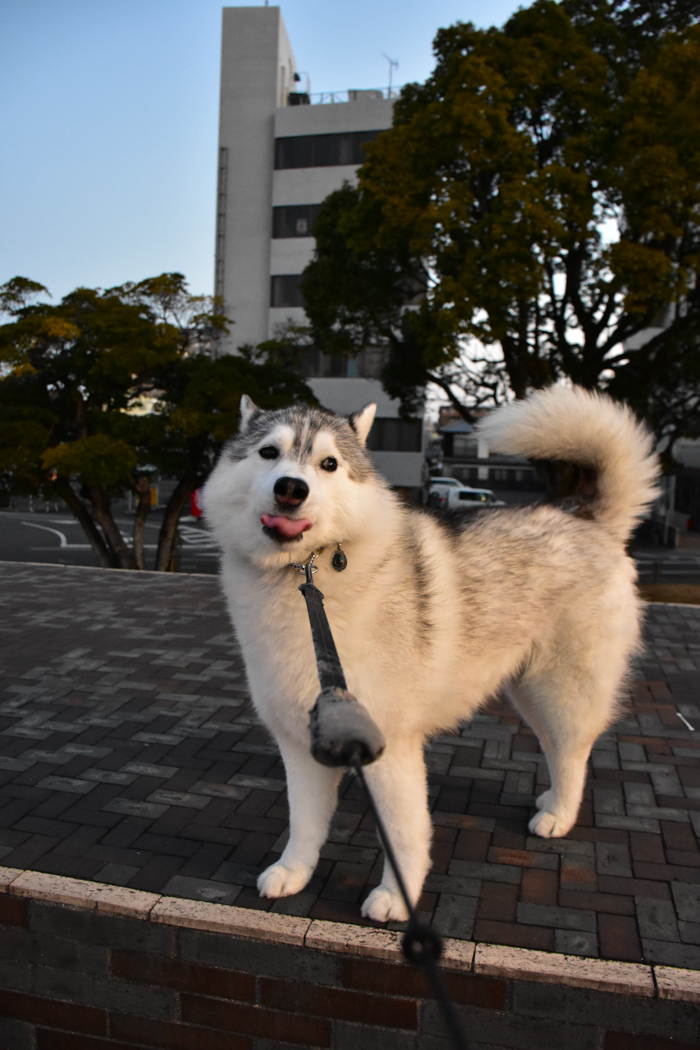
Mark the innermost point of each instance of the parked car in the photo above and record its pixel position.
(451, 494)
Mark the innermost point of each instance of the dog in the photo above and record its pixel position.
(431, 616)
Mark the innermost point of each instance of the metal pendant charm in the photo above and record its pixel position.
(339, 560)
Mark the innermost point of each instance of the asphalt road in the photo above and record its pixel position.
(58, 539)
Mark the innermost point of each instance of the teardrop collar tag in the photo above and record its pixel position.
(339, 560)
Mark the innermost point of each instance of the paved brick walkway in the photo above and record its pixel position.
(130, 755)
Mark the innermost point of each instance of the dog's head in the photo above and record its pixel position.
(291, 481)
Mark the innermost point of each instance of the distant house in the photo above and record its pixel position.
(466, 456)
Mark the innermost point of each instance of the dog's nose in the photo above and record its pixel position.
(290, 492)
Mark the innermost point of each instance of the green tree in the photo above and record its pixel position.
(102, 384)
(531, 213)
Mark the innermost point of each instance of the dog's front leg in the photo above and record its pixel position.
(312, 791)
(398, 782)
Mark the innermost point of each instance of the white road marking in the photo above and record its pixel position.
(63, 541)
(193, 539)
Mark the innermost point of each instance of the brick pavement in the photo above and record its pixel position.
(129, 754)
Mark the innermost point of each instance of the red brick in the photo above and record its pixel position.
(678, 836)
(690, 776)
(488, 809)
(655, 872)
(187, 977)
(660, 691)
(600, 834)
(514, 933)
(52, 1040)
(539, 887)
(618, 938)
(645, 741)
(13, 911)
(472, 845)
(647, 848)
(390, 979)
(685, 874)
(173, 1036)
(444, 834)
(524, 743)
(680, 761)
(337, 911)
(441, 855)
(659, 747)
(620, 776)
(498, 900)
(578, 874)
(318, 1001)
(386, 978)
(71, 1017)
(641, 692)
(256, 1021)
(427, 902)
(633, 887)
(585, 814)
(509, 836)
(678, 801)
(624, 1041)
(614, 904)
(683, 859)
(520, 858)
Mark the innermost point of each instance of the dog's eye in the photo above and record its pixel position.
(269, 452)
(329, 463)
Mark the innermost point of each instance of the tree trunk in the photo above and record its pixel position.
(74, 502)
(568, 483)
(168, 530)
(102, 514)
(143, 489)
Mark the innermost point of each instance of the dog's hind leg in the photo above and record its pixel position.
(398, 782)
(567, 722)
(312, 791)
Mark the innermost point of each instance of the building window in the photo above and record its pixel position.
(285, 290)
(294, 220)
(395, 435)
(322, 151)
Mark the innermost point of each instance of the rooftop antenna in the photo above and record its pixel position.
(392, 66)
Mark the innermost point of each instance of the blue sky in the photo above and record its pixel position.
(109, 117)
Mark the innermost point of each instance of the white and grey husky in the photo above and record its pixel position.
(430, 617)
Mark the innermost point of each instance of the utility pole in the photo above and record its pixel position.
(392, 66)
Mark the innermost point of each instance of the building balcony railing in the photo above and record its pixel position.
(318, 98)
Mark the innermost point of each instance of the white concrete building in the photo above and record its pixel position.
(281, 152)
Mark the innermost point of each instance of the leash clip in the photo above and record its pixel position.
(307, 569)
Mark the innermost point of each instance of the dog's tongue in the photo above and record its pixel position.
(287, 527)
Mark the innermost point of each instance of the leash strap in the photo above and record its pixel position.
(421, 945)
(330, 671)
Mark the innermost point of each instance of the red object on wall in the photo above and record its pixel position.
(196, 503)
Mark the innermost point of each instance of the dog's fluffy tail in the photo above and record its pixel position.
(591, 430)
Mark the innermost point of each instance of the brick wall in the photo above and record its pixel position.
(85, 966)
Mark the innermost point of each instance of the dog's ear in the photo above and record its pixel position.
(361, 422)
(247, 409)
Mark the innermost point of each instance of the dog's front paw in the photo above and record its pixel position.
(280, 881)
(383, 904)
(549, 826)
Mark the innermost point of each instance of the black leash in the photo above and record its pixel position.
(344, 734)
